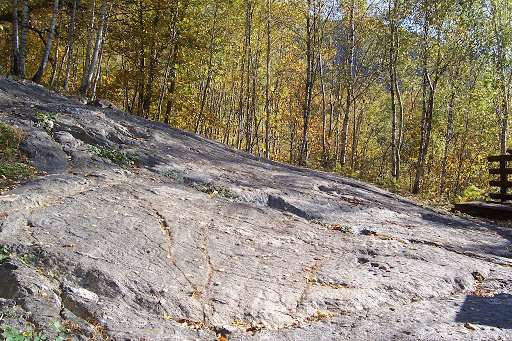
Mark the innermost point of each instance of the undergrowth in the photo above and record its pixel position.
(219, 190)
(122, 159)
(14, 167)
(10, 334)
(173, 175)
(6, 254)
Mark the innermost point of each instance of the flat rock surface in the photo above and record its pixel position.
(140, 231)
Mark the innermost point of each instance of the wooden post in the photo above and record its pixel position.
(503, 183)
(503, 179)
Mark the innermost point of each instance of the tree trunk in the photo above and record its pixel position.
(90, 71)
(163, 87)
(97, 76)
(208, 71)
(39, 74)
(23, 39)
(244, 57)
(392, 66)
(69, 46)
(250, 65)
(15, 56)
(426, 119)
(399, 135)
(56, 52)
(448, 136)
(348, 102)
(267, 87)
(311, 30)
(428, 90)
(325, 155)
(90, 34)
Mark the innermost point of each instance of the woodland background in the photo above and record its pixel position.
(411, 95)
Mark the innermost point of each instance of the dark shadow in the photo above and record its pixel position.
(489, 311)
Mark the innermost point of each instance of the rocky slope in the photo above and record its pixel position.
(143, 232)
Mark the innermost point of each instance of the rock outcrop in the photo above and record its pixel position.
(139, 231)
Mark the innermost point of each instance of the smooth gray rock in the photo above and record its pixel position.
(199, 241)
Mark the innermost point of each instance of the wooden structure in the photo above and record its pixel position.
(503, 171)
(494, 209)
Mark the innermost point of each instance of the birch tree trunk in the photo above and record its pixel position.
(90, 34)
(39, 74)
(85, 85)
(208, 71)
(69, 46)
(56, 52)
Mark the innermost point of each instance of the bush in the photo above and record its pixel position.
(14, 167)
(123, 160)
(472, 193)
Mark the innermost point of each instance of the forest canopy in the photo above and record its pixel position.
(411, 95)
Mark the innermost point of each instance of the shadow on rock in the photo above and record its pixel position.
(493, 311)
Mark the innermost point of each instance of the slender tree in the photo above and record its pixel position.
(349, 76)
(86, 80)
(23, 39)
(69, 45)
(15, 56)
(39, 74)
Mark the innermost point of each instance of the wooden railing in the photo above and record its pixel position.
(503, 171)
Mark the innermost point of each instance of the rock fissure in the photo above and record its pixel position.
(208, 307)
(310, 278)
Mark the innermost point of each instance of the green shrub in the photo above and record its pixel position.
(9, 334)
(123, 160)
(46, 121)
(219, 190)
(472, 193)
(14, 167)
(173, 175)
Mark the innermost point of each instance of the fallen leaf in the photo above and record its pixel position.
(469, 326)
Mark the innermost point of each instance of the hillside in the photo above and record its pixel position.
(140, 231)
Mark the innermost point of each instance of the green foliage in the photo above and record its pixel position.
(9, 334)
(46, 121)
(4, 254)
(473, 193)
(24, 258)
(123, 160)
(48, 116)
(61, 330)
(219, 190)
(389, 182)
(14, 168)
(172, 174)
